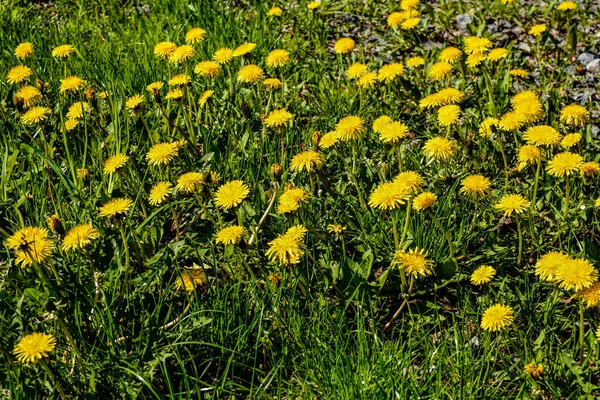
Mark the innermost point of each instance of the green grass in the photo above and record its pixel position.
(315, 329)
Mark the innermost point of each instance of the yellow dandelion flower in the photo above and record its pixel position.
(564, 164)
(24, 50)
(497, 317)
(542, 135)
(486, 126)
(380, 123)
(438, 148)
(82, 173)
(512, 203)
(597, 203)
(589, 168)
(423, 201)
(161, 153)
(537, 30)
(483, 275)
(230, 235)
(78, 109)
(475, 59)
(205, 96)
(475, 44)
(450, 55)
(174, 94)
(231, 194)
(63, 51)
(409, 4)
(519, 73)
(567, 6)
(134, 103)
(413, 262)
(291, 199)
(344, 45)
(79, 237)
(534, 371)
(389, 195)
(442, 98)
(574, 114)
(272, 83)
(410, 23)
(547, 265)
(590, 296)
(389, 72)
(313, 4)
(223, 55)
(114, 163)
(288, 248)
(190, 278)
(497, 54)
(33, 347)
(475, 186)
(528, 155)
(576, 274)
(181, 54)
(277, 58)
(195, 35)
(336, 228)
(164, 49)
(511, 121)
(30, 244)
(278, 118)
(570, 140)
(159, 193)
(243, 49)
(368, 80)
(28, 95)
(392, 132)
(448, 115)
(154, 87)
(250, 74)
(414, 62)
(309, 160)
(275, 11)
(18, 74)
(395, 19)
(208, 69)
(350, 128)
(179, 80)
(411, 179)
(115, 207)
(328, 140)
(190, 182)
(35, 115)
(71, 124)
(71, 84)
(440, 70)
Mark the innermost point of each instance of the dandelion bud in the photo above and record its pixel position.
(83, 173)
(18, 102)
(316, 138)
(276, 171)
(384, 168)
(55, 224)
(90, 95)
(41, 85)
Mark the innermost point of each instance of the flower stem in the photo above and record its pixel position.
(395, 228)
(520, 242)
(535, 183)
(567, 193)
(406, 222)
(52, 378)
(581, 331)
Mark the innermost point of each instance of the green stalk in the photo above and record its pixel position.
(520, 241)
(567, 193)
(535, 184)
(581, 331)
(406, 222)
(52, 378)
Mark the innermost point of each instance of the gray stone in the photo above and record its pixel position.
(523, 46)
(584, 96)
(596, 131)
(585, 58)
(463, 20)
(593, 66)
